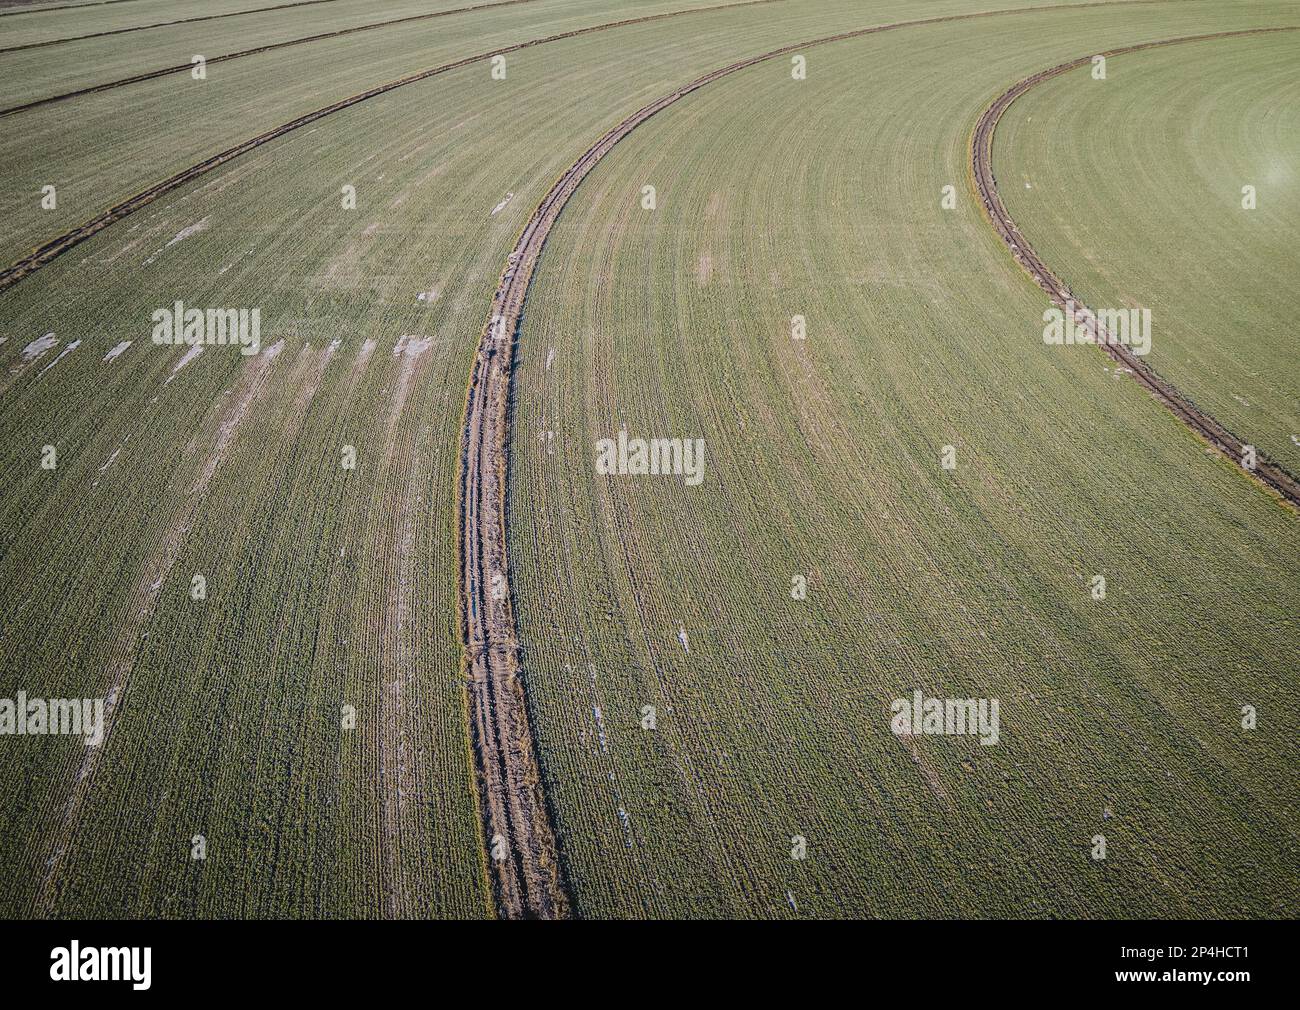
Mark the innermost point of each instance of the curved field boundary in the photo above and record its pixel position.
(528, 874)
(160, 24)
(1266, 470)
(64, 7)
(55, 247)
(180, 67)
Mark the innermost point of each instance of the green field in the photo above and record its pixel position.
(826, 461)
(1185, 129)
(309, 716)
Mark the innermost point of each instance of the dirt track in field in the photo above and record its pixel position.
(55, 247)
(181, 67)
(159, 24)
(1270, 473)
(523, 848)
(31, 6)
(527, 871)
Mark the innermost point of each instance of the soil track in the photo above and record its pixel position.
(529, 880)
(55, 247)
(29, 9)
(1266, 470)
(180, 67)
(60, 7)
(160, 24)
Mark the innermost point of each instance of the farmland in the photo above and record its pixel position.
(350, 716)
(1195, 189)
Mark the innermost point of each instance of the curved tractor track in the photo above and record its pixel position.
(56, 247)
(1266, 470)
(528, 878)
(64, 7)
(160, 24)
(272, 47)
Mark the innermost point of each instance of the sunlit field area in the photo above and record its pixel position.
(649, 459)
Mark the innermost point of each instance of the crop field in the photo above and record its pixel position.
(374, 613)
(1222, 277)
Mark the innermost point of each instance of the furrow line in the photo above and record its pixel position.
(1269, 472)
(524, 851)
(181, 67)
(55, 247)
(160, 24)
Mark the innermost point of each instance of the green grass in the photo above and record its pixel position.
(48, 71)
(230, 724)
(103, 148)
(329, 587)
(821, 198)
(27, 27)
(1149, 212)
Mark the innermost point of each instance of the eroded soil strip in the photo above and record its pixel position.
(179, 67)
(160, 24)
(1268, 471)
(60, 7)
(145, 593)
(528, 879)
(43, 254)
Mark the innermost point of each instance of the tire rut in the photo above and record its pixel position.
(161, 24)
(528, 877)
(1266, 470)
(64, 7)
(240, 54)
(55, 247)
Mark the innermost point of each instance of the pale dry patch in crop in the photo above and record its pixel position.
(407, 464)
(409, 350)
(143, 600)
(238, 259)
(230, 425)
(309, 378)
(121, 251)
(60, 356)
(38, 347)
(32, 352)
(715, 213)
(186, 358)
(189, 231)
(305, 378)
(225, 180)
(417, 149)
(344, 271)
(387, 637)
(359, 365)
(406, 191)
(109, 462)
